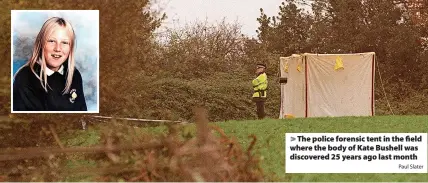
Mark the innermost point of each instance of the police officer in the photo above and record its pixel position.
(260, 85)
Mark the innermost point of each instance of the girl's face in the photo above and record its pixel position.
(57, 48)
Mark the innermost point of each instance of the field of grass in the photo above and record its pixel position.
(270, 134)
(270, 142)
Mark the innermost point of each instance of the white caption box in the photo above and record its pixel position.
(356, 153)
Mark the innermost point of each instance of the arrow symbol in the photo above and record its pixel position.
(293, 139)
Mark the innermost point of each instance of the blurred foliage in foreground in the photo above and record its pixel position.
(131, 154)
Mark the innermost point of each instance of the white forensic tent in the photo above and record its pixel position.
(327, 85)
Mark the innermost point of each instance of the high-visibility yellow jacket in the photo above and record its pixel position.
(260, 85)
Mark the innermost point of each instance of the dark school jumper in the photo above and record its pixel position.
(29, 95)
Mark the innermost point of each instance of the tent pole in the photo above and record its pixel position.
(373, 68)
(281, 108)
(306, 86)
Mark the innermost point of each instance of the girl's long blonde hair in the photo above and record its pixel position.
(38, 57)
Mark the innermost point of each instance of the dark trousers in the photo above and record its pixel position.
(260, 106)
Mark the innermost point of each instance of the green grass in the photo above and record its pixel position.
(76, 163)
(89, 137)
(270, 142)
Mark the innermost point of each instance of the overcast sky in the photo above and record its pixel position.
(245, 12)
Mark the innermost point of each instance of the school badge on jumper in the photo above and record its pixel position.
(73, 95)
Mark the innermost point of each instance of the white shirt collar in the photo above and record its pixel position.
(49, 72)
